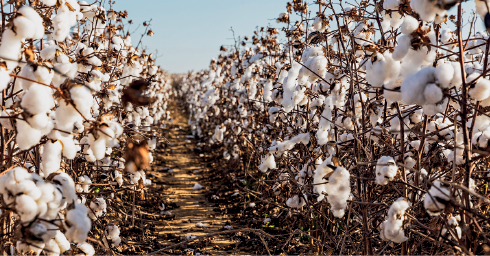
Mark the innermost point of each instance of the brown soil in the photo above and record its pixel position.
(186, 205)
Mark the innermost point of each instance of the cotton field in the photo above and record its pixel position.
(339, 128)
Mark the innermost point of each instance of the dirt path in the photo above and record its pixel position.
(177, 172)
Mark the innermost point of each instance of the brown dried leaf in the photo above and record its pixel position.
(134, 94)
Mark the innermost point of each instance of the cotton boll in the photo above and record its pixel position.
(111, 233)
(38, 99)
(78, 224)
(401, 50)
(391, 4)
(27, 136)
(338, 191)
(289, 87)
(481, 89)
(392, 228)
(26, 207)
(86, 248)
(267, 162)
(433, 93)
(296, 201)
(444, 74)
(414, 85)
(396, 20)
(68, 186)
(62, 242)
(386, 170)
(28, 187)
(316, 64)
(393, 94)
(436, 198)
(51, 157)
(410, 24)
(36, 22)
(49, 53)
(98, 208)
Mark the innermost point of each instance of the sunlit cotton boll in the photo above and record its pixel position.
(436, 198)
(479, 88)
(296, 201)
(267, 163)
(338, 191)
(386, 170)
(392, 228)
(78, 224)
(381, 69)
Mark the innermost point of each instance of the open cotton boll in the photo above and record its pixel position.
(320, 178)
(409, 25)
(386, 170)
(289, 87)
(86, 248)
(444, 74)
(68, 186)
(413, 86)
(62, 242)
(30, 24)
(318, 67)
(267, 91)
(426, 9)
(391, 4)
(97, 146)
(26, 207)
(393, 93)
(27, 136)
(481, 88)
(111, 233)
(338, 191)
(433, 93)
(98, 208)
(401, 49)
(28, 187)
(267, 162)
(436, 198)
(396, 20)
(381, 69)
(10, 48)
(52, 247)
(281, 147)
(38, 99)
(296, 201)
(51, 157)
(78, 224)
(392, 228)
(39, 121)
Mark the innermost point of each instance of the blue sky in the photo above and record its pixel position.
(189, 33)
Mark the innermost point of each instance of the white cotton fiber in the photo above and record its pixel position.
(392, 228)
(27, 136)
(481, 89)
(296, 201)
(410, 24)
(434, 200)
(444, 74)
(414, 85)
(38, 99)
(386, 170)
(51, 157)
(267, 162)
(26, 207)
(401, 49)
(432, 93)
(320, 179)
(338, 190)
(289, 87)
